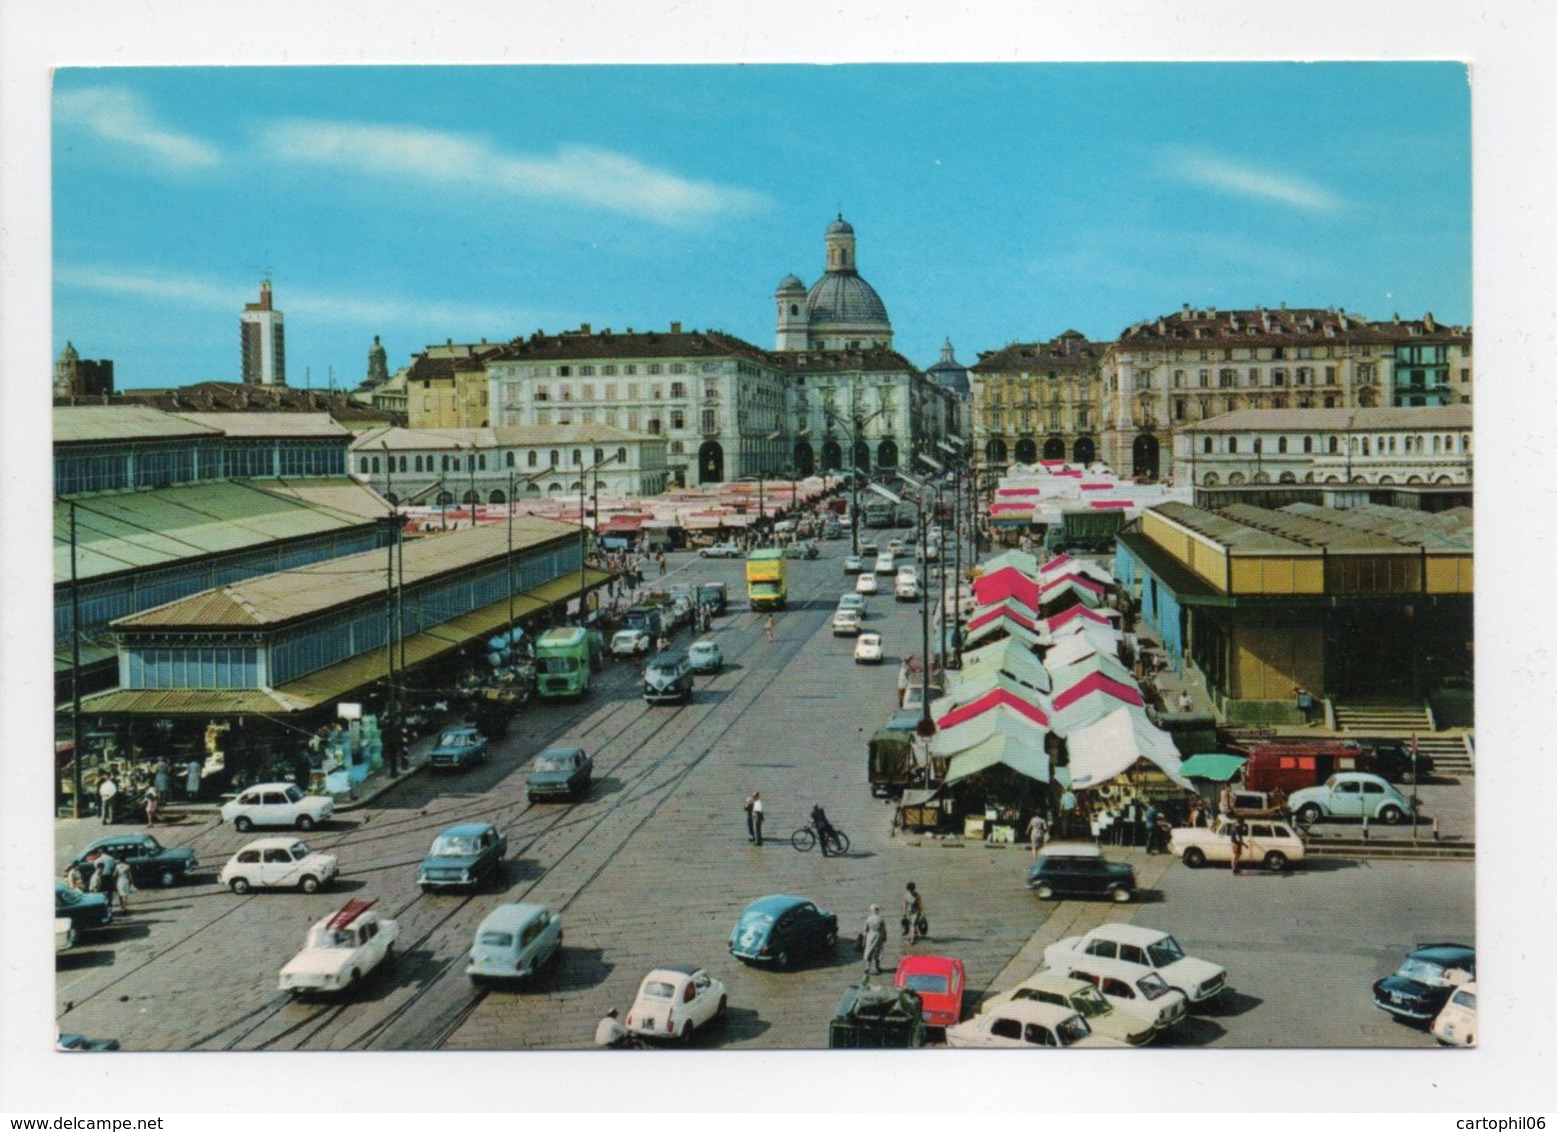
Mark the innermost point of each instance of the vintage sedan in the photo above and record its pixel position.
(458, 748)
(514, 942)
(781, 929)
(277, 803)
(1067, 869)
(1425, 980)
(1143, 949)
(630, 642)
(341, 950)
(706, 657)
(855, 602)
(675, 1001)
(1132, 989)
(1456, 1022)
(84, 910)
(1082, 996)
(1028, 1025)
(867, 650)
(463, 856)
(938, 981)
(865, 584)
(1350, 794)
(846, 623)
(279, 862)
(560, 772)
(1266, 842)
(720, 550)
(853, 564)
(150, 861)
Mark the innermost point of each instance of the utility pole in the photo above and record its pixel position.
(75, 673)
(391, 730)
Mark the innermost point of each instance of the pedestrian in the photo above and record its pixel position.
(875, 933)
(192, 779)
(610, 1033)
(1037, 831)
(1305, 705)
(1186, 701)
(754, 818)
(662, 563)
(914, 922)
(823, 827)
(151, 806)
(1235, 835)
(1278, 800)
(1224, 801)
(123, 885)
(107, 795)
(160, 779)
(767, 628)
(1152, 818)
(98, 874)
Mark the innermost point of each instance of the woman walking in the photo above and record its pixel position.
(122, 885)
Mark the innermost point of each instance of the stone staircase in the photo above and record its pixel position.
(1400, 719)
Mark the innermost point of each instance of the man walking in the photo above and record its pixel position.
(754, 818)
(107, 795)
(875, 932)
(1038, 831)
(913, 914)
(1151, 829)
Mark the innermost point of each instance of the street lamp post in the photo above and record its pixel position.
(583, 557)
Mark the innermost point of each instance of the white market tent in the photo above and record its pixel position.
(1110, 745)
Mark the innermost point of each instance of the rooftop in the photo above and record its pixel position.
(1263, 326)
(1428, 418)
(79, 424)
(1069, 351)
(267, 424)
(409, 439)
(585, 343)
(1300, 527)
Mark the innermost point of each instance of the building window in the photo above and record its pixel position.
(1329, 375)
(632, 390)
(1333, 446)
(678, 389)
(710, 421)
(578, 457)
(1303, 373)
(1254, 376)
(554, 460)
(1329, 401)
(1178, 379)
(586, 371)
(1308, 445)
(564, 371)
(1205, 378)
(656, 391)
(608, 371)
(677, 367)
(483, 461)
(1232, 445)
(1205, 445)
(533, 458)
(1281, 445)
(678, 418)
(654, 426)
(621, 455)
(629, 368)
(1464, 376)
(1226, 378)
(654, 368)
(1279, 377)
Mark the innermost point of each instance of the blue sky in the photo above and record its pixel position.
(993, 203)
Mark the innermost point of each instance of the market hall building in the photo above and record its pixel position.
(1362, 605)
(242, 675)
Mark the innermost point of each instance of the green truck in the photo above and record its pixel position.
(767, 578)
(562, 663)
(877, 1017)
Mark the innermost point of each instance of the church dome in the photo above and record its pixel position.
(791, 283)
(840, 227)
(845, 298)
(68, 354)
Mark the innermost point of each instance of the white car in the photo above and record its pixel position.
(895, 546)
(855, 602)
(279, 862)
(1027, 1024)
(630, 642)
(64, 933)
(908, 573)
(1131, 990)
(720, 550)
(277, 803)
(846, 622)
(675, 1001)
(865, 584)
(341, 950)
(1456, 1022)
(867, 650)
(1144, 949)
(930, 551)
(906, 589)
(884, 563)
(1269, 843)
(853, 564)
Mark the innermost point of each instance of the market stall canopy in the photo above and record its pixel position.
(1023, 701)
(1018, 560)
(1066, 676)
(973, 684)
(1097, 684)
(1011, 658)
(1091, 700)
(1006, 584)
(1064, 564)
(1076, 614)
(1017, 752)
(1215, 767)
(991, 629)
(1000, 721)
(1078, 646)
(1107, 747)
(1010, 610)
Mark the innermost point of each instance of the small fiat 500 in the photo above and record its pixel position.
(675, 1001)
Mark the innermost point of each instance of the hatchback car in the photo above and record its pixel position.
(458, 747)
(1027, 1025)
(1086, 999)
(846, 623)
(1456, 1022)
(781, 929)
(865, 584)
(938, 981)
(720, 550)
(279, 862)
(514, 942)
(668, 678)
(675, 1001)
(630, 642)
(867, 650)
(853, 564)
(277, 803)
(1417, 991)
(150, 861)
(706, 657)
(84, 910)
(1063, 871)
(1142, 949)
(1138, 994)
(560, 772)
(463, 856)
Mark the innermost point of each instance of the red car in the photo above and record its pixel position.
(939, 983)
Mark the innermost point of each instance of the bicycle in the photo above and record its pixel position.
(804, 839)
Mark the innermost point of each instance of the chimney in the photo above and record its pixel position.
(675, 328)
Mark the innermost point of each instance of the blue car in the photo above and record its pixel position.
(463, 856)
(514, 942)
(781, 929)
(1424, 981)
(84, 910)
(458, 748)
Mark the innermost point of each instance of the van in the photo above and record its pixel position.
(1296, 765)
(646, 619)
(667, 678)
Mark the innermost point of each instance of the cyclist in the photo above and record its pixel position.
(823, 827)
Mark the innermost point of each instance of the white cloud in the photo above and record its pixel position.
(299, 302)
(576, 173)
(122, 116)
(1202, 167)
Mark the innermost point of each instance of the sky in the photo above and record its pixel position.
(992, 203)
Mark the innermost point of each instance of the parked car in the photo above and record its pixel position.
(1269, 843)
(667, 678)
(831, 530)
(905, 589)
(630, 642)
(706, 657)
(463, 856)
(867, 649)
(341, 950)
(781, 929)
(675, 1001)
(1027, 1025)
(1391, 759)
(1064, 869)
(715, 595)
(84, 910)
(846, 623)
(1085, 999)
(720, 550)
(64, 933)
(1456, 1022)
(938, 981)
(1351, 794)
(930, 552)
(80, 1043)
(896, 546)
(853, 564)
(277, 803)
(1132, 989)
(560, 772)
(1425, 980)
(807, 550)
(1144, 949)
(150, 861)
(853, 601)
(908, 572)
(458, 747)
(865, 584)
(514, 942)
(278, 862)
